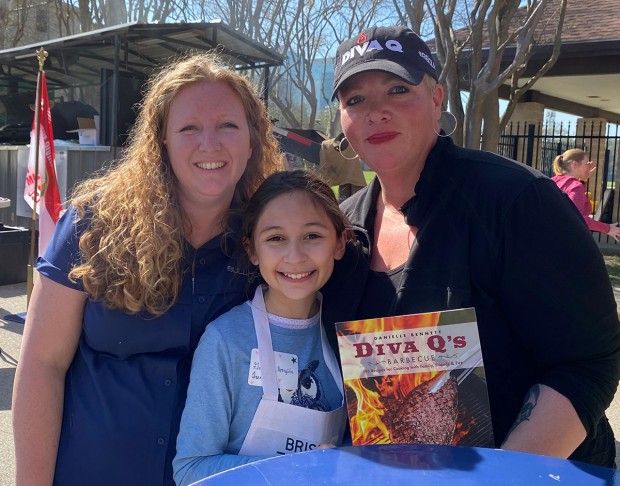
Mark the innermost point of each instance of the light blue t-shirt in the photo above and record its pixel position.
(220, 401)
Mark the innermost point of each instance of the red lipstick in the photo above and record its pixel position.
(382, 137)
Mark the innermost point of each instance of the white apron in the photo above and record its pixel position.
(282, 428)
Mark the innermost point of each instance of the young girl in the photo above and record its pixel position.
(264, 380)
(570, 168)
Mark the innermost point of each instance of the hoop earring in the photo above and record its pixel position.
(344, 145)
(447, 123)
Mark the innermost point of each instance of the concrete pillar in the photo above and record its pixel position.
(528, 116)
(529, 112)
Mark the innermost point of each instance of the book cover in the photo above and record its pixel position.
(416, 379)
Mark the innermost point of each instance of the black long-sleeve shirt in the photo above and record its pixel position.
(498, 236)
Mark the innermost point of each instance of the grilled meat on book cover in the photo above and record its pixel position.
(416, 379)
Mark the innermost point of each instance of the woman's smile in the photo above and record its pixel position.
(210, 165)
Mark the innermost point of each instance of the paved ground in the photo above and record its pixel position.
(13, 301)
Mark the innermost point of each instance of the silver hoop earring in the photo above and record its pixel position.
(447, 123)
(344, 145)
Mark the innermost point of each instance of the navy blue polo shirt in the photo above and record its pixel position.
(126, 387)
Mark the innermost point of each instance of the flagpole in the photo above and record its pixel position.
(41, 56)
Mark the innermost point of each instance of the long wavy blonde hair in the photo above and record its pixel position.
(132, 251)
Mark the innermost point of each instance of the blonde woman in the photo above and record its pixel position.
(138, 266)
(571, 168)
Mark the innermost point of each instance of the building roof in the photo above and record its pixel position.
(585, 80)
(590, 20)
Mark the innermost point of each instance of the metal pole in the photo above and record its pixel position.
(41, 56)
(113, 114)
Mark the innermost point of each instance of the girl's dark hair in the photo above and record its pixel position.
(286, 182)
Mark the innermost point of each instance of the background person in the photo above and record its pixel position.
(571, 168)
(137, 267)
(445, 227)
(293, 231)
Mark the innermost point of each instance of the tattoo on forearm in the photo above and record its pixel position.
(531, 400)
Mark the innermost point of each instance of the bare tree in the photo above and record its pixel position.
(554, 15)
(306, 33)
(14, 16)
(86, 21)
(350, 18)
(4, 20)
(482, 45)
(494, 40)
(66, 15)
(472, 38)
(273, 23)
(86, 15)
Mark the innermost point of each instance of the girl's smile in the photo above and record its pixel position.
(294, 245)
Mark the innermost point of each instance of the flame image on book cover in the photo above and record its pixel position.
(416, 379)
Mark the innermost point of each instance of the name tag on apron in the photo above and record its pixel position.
(287, 370)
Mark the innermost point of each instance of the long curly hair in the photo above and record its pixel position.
(132, 251)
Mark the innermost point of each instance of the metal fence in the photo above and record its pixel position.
(538, 145)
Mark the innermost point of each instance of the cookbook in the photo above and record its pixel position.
(416, 379)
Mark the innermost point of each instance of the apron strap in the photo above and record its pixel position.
(265, 347)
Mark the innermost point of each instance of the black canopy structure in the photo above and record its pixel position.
(111, 57)
(303, 143)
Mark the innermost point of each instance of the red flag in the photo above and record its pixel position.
(46, 187)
